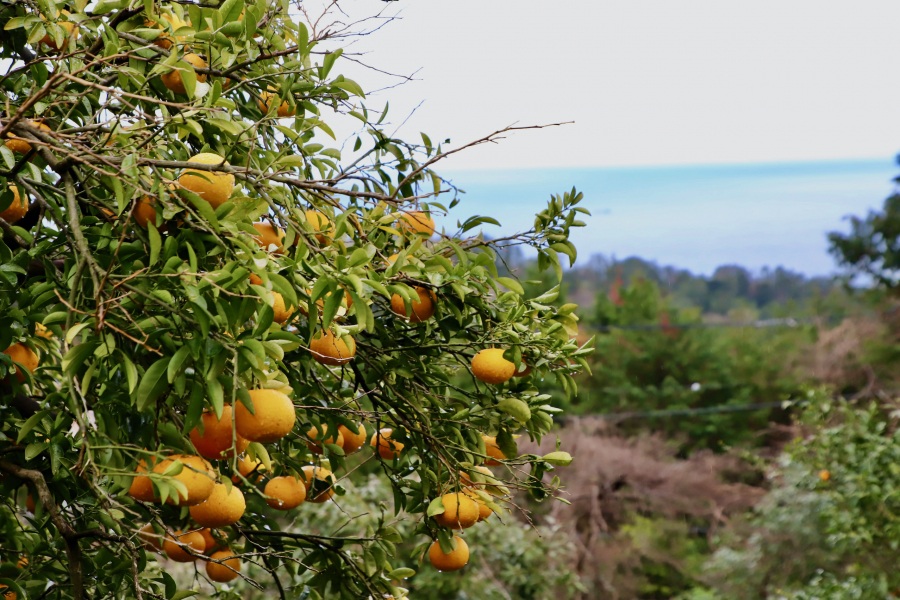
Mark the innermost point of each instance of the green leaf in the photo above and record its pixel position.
(558, 458)
(76, 356)
(177, 362)
(155, 242)
(435, 507)
(153, 384)
(328, 62)
(401, 573)
(30, 424)
(511, 284)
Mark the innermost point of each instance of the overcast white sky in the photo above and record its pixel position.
(645, 81)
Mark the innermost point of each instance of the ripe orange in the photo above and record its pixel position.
(319, 483)
(484, 511)
(17, 208)
(313, 435)
(179, 545)
(270, 238)
(141, 486)
(165, 39)
(23, 355)
(214, 187)
(71, 32)
(267, 99)
(330, 350)
(466, 479)
(246, 466)
(173, 79)
(19, 145)
(225, 569)
(492, 450)
(353, 441)
(321, 224)
(144, 211)
(824, 475)
(213, 542)
(282, 312)
(455, 560)
(223, 507)
(422, 309)
(215, 442)
(196, 474)
(285, 492)
(387, 448)
(489, 366)
(150, 540)
(10, 595)
(272, 418)
(30, 504)
(460, 511)
(417, 222)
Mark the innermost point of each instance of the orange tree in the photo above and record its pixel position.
(207, 310)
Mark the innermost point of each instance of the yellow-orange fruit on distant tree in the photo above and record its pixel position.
(453, 561)
(26, 358)
(144, 211)
(492, 450)
(223, 507)
(285, 492)
(319, 483)
(321, 224)
(223, 566)
(71, 31)
(422, 309)
(314, 434)
(214, 187)
(270, 238)
(273, 416)
(460, 511)
(180, 545)
(387, 448)
(330, 350)
(217, 440)
(165, 40)
(196, 474)
(280, 311)
(268, 99)
(141, 486)
(416, 221)
(489, 366)
(484, 511)
(17, 208)
(353, 441)
(174, 80)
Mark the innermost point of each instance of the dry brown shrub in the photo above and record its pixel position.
(839, 356)
(614, 478)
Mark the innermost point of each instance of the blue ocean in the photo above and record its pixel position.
(693, 217)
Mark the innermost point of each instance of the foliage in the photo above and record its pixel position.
(152, 324)
(645, 362)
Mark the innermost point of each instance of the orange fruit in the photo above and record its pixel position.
(353, 441)
(466, 479)
(387, 448)
(144, 211)
(225, 568)
(267, 99)
(824, 475)
(10, 595)
(212, 542)
(30, 504)
(26, 358)
(272, 418)
(453, 561)
(282, 312)
(313, 435)
(150, 540)
(285, 492)
(330, 350)
(484, 511)
(223, 507)
(17, 208)
(417, 222)
(212, 186)
(321, 224)
(217, 441)
(460, 511)
(422, 309)
(319, 483)
(71, 32)
(179, 545)
(165, 39)
(196, 474)
(489, 366)
(492, 450)
(141, 486)
(19, 145)
(173, 79)
(270, 238)
(246, 466)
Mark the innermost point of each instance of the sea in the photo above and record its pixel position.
(695, 217)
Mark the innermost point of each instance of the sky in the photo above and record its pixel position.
(646, 82)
